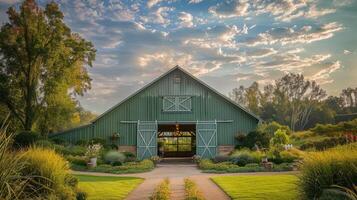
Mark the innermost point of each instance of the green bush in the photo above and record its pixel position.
(59, 141)
(44, 144)
(256, 138)
(128, 167)
(116, 157)
(272, 127)
(49, 172)
(77, 160)
(280, 138)
(71, 150)
(323, 170)
(97, 141)
(130, 157)
(162, 191)
(81, 195)
(324, 144)
(291, 155)
(327, 129)
(82, 142)
(25, 138)
(245, 156)
(192, 191)
(227, 167)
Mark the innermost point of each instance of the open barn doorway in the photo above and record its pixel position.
(176, 140)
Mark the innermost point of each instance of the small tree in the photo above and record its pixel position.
(280, 138)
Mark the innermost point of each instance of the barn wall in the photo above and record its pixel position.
(147, 106)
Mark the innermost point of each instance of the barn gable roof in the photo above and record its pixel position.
(188, 74)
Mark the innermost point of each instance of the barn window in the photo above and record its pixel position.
(177, 78)
(177, 103)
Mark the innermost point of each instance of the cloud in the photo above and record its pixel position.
(151, 3)
(304, 35)
(186, 19)
(324, 76)
(284, 10)
(347, 52)
(195, 1)
(261, 53)
(158, 16)
(342, 2)
(228, 9)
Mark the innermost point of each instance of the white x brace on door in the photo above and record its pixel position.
(146, 139)
(206, 137)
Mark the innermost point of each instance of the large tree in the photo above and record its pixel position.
(42, 63)
(290, 100)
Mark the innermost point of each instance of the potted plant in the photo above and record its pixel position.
(92, 153)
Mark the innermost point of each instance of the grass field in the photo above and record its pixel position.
(107, 187)
(254, 187)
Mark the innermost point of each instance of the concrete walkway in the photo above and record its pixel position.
(176, 172)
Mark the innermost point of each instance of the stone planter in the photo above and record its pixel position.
(93, 162)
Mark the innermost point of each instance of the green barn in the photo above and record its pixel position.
(176, 115)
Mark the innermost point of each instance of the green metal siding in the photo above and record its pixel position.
(147, 106)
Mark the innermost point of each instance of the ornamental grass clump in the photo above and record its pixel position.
(162, 191)
(192, 191)
(12, 183)
(114, 158)
(323, 172)
(49, 172)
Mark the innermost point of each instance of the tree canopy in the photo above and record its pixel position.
(42, 66)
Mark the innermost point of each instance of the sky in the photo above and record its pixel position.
(224, 43)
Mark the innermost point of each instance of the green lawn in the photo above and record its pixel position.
(253, 187)
(107, 187)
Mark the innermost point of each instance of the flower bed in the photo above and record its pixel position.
(209, 166)
(127, 167)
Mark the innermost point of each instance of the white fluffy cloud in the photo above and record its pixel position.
(185, 19)
(284, 10)
(303, 35)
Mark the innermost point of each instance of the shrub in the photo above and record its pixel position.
(256, 138)
(280, 138)
(25, 139)
(59, 141)
(100, 141)
(114, 158)
(240, 138)
(71, 150)
(129, 167)
(322, 170)
(81, 195)
(82, 142)
(50, 174)
(272, 127)
(192, 191)
(11, 180)
(162, 191)
(129, 156)
(289, 156)
(44, 144)
(221, 158)
(324, 144)
(244, 156)
(77, 160)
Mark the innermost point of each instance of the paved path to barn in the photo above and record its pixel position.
(176, 172)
